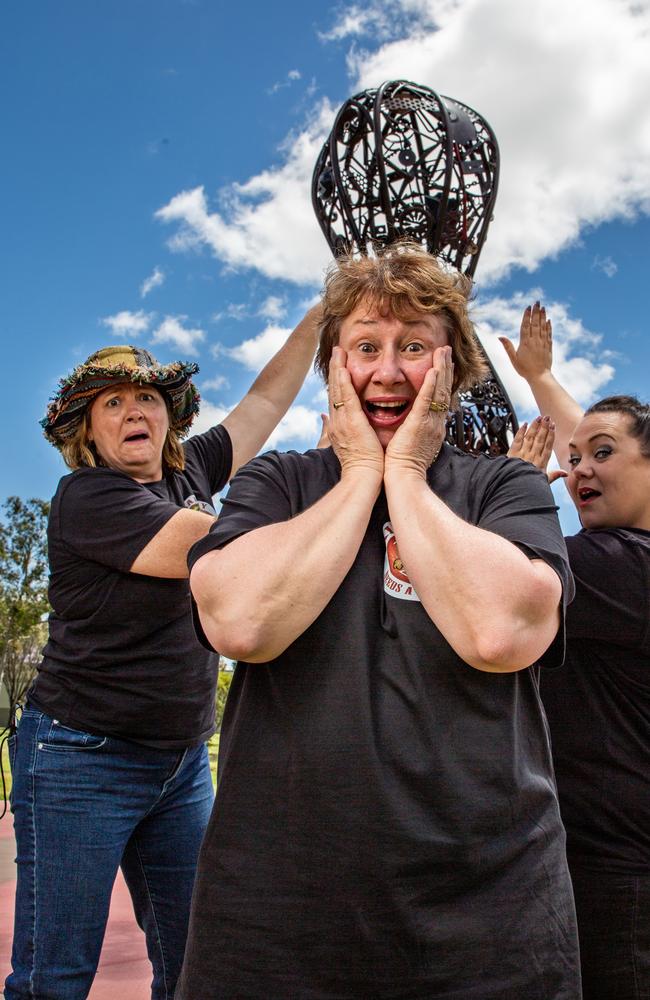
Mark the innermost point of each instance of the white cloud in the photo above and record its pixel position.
(155, 279)
(291, 77)
(234, 310)
(268, 223)
(214, 384)
(607, 265)
(353, 22)
(384, 19)
(172, 331)
(299, 427)
(255, 352)
(125, 323)
(209, 415)
(274, 307)
(577, 355)
(564, 85)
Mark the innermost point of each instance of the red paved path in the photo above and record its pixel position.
(124, 971)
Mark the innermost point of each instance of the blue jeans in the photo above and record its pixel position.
(83, 806)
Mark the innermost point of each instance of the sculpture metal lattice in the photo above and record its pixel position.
(401, 160)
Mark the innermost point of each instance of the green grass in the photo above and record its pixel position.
(213, 752)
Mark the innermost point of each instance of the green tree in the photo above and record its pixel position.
(226, 668)
(23, 593)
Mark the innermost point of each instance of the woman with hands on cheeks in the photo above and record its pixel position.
(386, 823)
(598, 705)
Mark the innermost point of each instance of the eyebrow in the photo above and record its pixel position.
(600, 434)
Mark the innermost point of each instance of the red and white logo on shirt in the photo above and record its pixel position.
(396, 581)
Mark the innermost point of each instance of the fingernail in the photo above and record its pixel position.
(547, 420)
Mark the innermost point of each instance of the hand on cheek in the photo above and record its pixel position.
(416, 444)
(354, 442)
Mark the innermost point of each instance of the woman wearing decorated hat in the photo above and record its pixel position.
(109, 762)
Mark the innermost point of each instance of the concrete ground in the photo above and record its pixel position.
(124, 971)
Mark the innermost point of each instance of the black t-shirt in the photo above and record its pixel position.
(598, 704)
(122, 658)
(386, 823)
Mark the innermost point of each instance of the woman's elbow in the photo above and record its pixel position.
(523, 647)
(519, 640)
(498, 651)
(225, 613)
(236, 641)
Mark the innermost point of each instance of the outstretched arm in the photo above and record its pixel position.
(273, 391)
(532, 359)
(498, 609)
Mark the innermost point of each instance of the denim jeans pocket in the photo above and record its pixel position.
(60, 738)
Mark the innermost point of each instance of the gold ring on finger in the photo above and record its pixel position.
(437, 407)
(338, 405)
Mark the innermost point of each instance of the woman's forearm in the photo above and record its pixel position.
(259, 593)
(273, 391)
(554, 400)
(495, 607)
(533, 360)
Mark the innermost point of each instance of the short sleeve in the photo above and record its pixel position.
(258, 495)
(612, 573)
(211, 455)
(518, 505)
(107, 517)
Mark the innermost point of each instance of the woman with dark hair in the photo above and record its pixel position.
(598, 704)
(109, 762)
(386, 823)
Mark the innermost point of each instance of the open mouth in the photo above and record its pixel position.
(140, 436)
(585, 494)
(387, 410)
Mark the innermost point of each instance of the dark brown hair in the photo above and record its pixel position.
(638, 415)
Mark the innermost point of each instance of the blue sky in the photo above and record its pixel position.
(156, 173)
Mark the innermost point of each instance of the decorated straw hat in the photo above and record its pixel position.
(111, 366)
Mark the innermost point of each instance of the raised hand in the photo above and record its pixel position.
(416, 444)
(534, 444)
(534, 355)
(354, 441)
